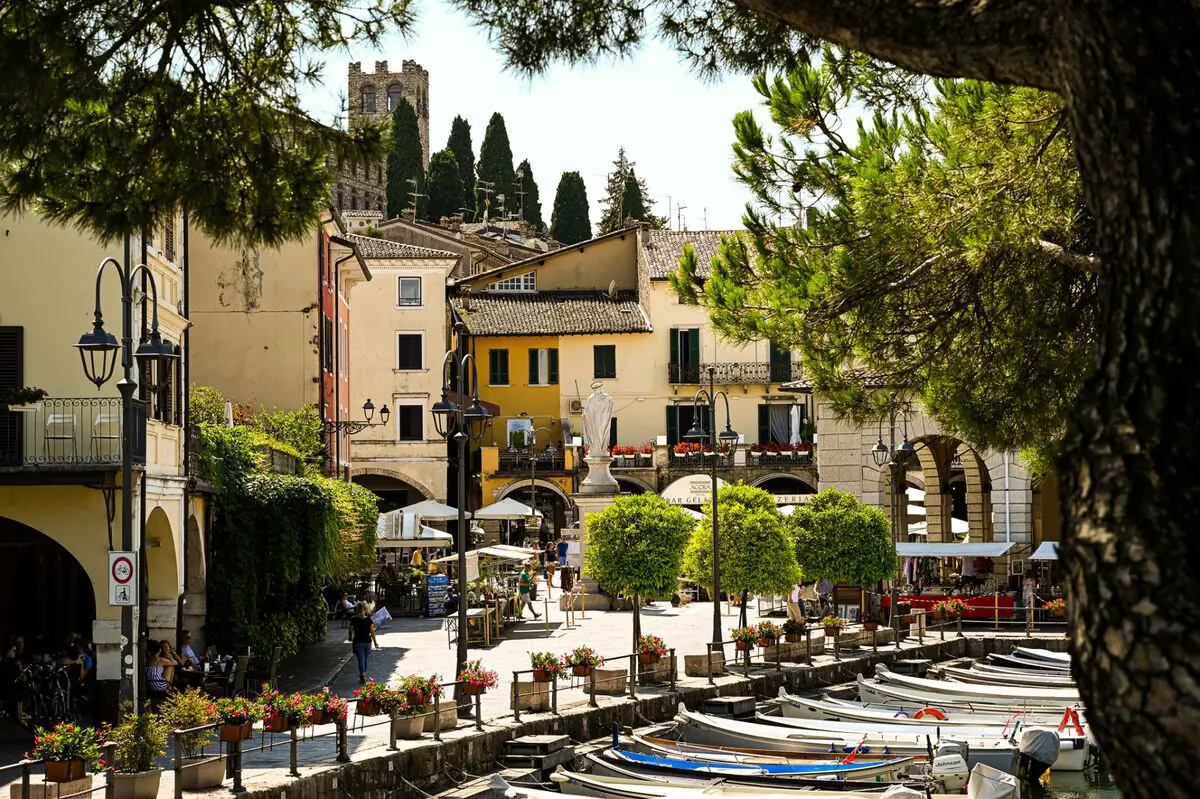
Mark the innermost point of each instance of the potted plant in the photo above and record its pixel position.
(408, 720)
(281, 712)
(833, 624)
(743, 637)
(650, 649)
(872, 618)
(420, 690)
(793, 629)
(138, 742)
(326, 707)
(767, 633)
(546, 666)
(951, 608)
(236, 716)
(1056, 607)
(371, 698)
(67, 750)
(188, 710)
(475, 679)
(583, 661)
(646, 453)
(16, 397)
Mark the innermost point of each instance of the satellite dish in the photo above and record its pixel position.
(612, 289)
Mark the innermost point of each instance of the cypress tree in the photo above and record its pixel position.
(625, 197)
(496, 166)
(464, 154)
(570, 222)
(532, 205)
(445, 186)
(404, 161)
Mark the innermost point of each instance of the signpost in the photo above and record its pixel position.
(122, 568)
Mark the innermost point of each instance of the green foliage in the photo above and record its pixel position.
(118, 114)
(840, 539)
(570, 222)
(949, 254)
(301, 430)
(756, 554)
(445, 186)
(635, 545)
(404, 162)
(140, 739)
(460, 144)
(206, 406)
(626, 197)
(496, 166)
(532, 204)
(186, 710)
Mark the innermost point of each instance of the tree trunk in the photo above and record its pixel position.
(1132, 457)
(743, 619)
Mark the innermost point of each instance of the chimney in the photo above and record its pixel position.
(644, 232)
(409, 214)
(465, 292)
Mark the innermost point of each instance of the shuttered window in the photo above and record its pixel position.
(498, 367)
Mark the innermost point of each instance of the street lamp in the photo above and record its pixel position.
(98, 353)
(532, 442)
(896, 458)
(460, 423)
(352, 427)
(726, 437)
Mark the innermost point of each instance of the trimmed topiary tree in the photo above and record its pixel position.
(757, 555)
(635, 547)
(840, 539)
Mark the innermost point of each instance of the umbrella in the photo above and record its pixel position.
(433, 510)
(398, 530)
(507, 508)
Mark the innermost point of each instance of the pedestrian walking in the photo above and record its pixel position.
(551, 556)
(795, 604)
(362, 635)
(525, 590)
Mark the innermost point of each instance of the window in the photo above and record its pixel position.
(394, 95)
(520, 283)
(680, 419)
(327, 345)
(409, 351)
(543, 367)
(685, 355)
(604, 360)
(497, 367)
(409, 423)
(369, 99)
(408, 291)
(780, 423)
(781, 363)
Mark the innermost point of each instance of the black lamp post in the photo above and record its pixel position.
(460, 423)
(728, 438)
(354, 426)
(532, 439)
(896, 458)
(97, 352)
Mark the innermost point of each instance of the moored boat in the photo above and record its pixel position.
(946, 716)
(981, 694)
(978, 676)
(573, 783)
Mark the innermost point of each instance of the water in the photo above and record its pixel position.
(1077, 785)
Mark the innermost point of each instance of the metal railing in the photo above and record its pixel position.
(755, 373)
(635, 674)
(109, 786)
(520, 461)
(69, 431)
(782, 459)
(698, 459)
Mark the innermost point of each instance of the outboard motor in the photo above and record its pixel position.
(992, 783)
(951, 770)
(1039, 749)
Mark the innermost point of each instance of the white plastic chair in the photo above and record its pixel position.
(106, 435)
(59, 427)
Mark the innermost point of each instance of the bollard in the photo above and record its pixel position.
(479, 712)
(554, 696)
(293, 747)
(592, 686)
(711, 680)
(392, 732)
(110, 782)
(237, 768)
(633, 663)
(673, 666)
(808, 644)
(960, 632)
(516, 696)
(437, 715)
(25, 779)
(343, 747)
(178, 765)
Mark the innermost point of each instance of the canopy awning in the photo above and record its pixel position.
(399, 530)
(433, 510)
(918, 550)
(498, 552)
(507, 508)
(1047, 550)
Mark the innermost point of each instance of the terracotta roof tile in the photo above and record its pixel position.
(552, 313)
(372, 248)
(665, 247)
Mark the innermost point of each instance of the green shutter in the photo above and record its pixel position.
(533, 367)
(552, 359)
(672, 423)
(694, 348)
(504, 379)
(597, 361)
(674, 346)
(493, 367)
(764, 424)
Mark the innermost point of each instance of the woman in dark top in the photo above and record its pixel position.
(362, 635)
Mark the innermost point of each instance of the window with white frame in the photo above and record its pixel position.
(410, 352)
(410, 422)
(408, 291)
(520, 283)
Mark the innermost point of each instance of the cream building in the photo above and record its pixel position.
(60, 457)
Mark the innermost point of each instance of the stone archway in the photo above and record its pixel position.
(395, 490)
(163, 578)
(632, 485)
(549, 496)
(43, 588)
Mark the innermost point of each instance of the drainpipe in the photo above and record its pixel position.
(183, 419)
(1007, 507)
(143, 625)
(321, 324)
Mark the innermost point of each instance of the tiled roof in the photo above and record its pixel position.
(373, 248)
(867, 378)
(362, 214)
(552, 313)
(665, 247)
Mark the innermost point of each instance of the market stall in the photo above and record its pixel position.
(934, 572)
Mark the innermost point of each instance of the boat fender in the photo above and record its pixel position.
(930, 712)
(900, 715)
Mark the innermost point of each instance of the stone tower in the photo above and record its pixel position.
(372, 96)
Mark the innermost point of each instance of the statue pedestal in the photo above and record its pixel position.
(588, 503)
(599, 479)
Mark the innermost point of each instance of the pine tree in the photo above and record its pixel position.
(496, 166)
(445, 186)
(570, 222)
(404, 162)
(464, 154)
(531, 204)
(626, 196)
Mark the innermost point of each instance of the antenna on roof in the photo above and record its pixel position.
(679, 217)
(706, 217)
(414, 194)
(612, 289)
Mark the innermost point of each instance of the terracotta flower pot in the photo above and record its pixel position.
(832, 630)
(322, 717)
(416, 697)
(765, 642)
(581, 671)
(648, 658)
(541, 675)
(64, 770)
(472, 689)
(741, 646)
(870, 626)
(277, 723)
(792, 638)
(231, 733)
(368, 707)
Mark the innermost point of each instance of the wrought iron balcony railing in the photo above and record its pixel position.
(734, 374)
(65, 431)
(521, 461)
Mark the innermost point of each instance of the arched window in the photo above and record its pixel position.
(395, 92)
(341, 200)
(353, 200)
(368, 99)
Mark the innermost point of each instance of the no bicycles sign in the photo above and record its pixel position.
(122, 568)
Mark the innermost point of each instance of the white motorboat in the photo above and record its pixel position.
(989, 714)
(876, 692)
(1028, 653)
(776, 773)
(714, 731)
(1058, 676)
(981, 694)
(573, 783)
(1029, 665)
(1072, 745)
(978, 676)
(948, 717)
(883, 767)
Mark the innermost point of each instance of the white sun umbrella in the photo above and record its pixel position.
(507, 508)
(957, 526)
(433, 511)
(916, 510)
(390, 535)
(787, 510)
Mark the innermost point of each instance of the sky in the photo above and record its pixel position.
(676, 126)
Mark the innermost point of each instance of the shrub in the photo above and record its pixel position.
(67, 742)
(186, 710)
(206, 406)
(138, 741)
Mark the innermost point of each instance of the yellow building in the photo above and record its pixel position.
(60, 457)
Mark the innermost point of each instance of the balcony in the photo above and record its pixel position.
(68, 432)
(522, 461)
(734, 374)
(697, 457)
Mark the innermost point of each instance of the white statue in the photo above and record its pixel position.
(597, 421)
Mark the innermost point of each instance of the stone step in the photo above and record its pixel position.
(543, 763)
(536, 744)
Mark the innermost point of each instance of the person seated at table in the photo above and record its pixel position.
(525, 590)
(344, 608)
(186, 654)
(451, 603)
(158, 677)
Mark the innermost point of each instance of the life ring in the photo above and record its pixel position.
(931, 712)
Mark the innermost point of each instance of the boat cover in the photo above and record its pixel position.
(747, 768)
(986, 782)
(901, 792)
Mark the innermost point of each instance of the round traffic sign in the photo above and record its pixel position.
(122, 570)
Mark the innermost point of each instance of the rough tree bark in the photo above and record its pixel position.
(1130, 76)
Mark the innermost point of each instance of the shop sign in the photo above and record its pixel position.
(695, 489)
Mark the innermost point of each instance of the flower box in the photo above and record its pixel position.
(232, 733)
(65, 770)
(582, 671)
(832, 630)
(541, 675)
(765, 642)
(416, 697)
(368, 707)
(741, 646)
(276, 723)
(320, 716)
(474, 689)
(870, 626)
(793, 638)
(200, 773)
(648, 658)
(408, 727)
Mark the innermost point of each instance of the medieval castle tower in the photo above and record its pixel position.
(362, 187)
